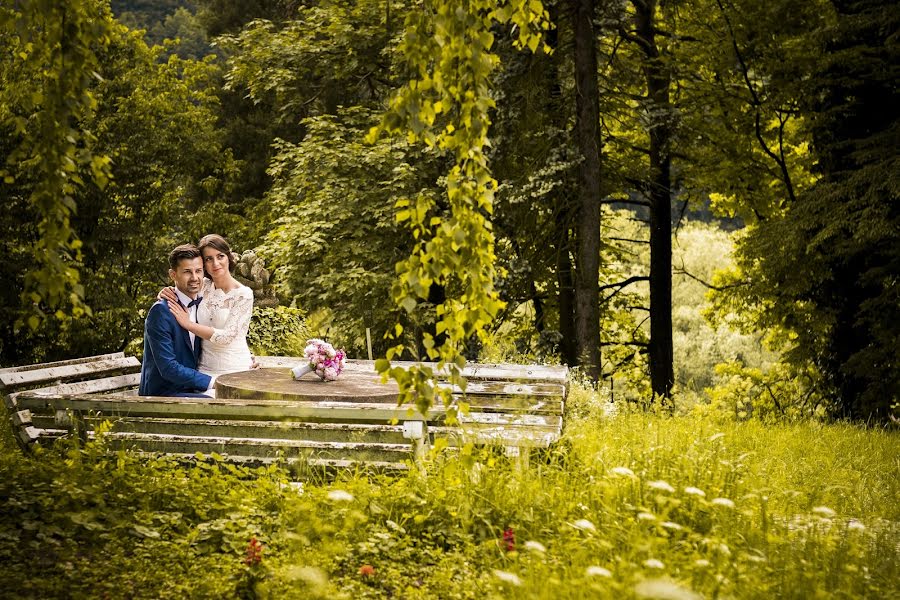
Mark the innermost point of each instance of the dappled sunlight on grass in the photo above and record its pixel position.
(628, 504)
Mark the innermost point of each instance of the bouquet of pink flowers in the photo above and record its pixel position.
(322, 358)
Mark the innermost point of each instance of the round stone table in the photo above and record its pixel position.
(279, 384)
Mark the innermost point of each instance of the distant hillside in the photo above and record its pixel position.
(165, 19)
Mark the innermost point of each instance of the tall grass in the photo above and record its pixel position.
(632, 505)
(635, 505)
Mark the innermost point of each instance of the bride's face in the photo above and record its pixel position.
(215, 262)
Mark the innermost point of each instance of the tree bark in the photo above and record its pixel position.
(587, 135)
(662, 373)
(563, 221)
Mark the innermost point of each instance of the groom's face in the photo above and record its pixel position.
(188, 275)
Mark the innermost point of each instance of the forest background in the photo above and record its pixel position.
(723, 228)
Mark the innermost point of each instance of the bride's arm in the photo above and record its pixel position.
(238, 322)
(184, 320)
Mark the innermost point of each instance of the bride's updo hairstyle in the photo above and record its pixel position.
(216, 241)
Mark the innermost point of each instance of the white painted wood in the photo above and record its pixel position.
(105, 384)
(29, 379)
(61, 363)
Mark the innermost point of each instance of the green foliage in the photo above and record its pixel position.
(446, 106)
(334, 239)
(172, 20)
(696, 504)
(163, 193)
(823, 270)
(278, 331)
(155, 528)
(327, 55)
(46, 99)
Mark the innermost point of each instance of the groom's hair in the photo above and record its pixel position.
(182, 252)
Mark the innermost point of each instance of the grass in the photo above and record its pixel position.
(636, 505)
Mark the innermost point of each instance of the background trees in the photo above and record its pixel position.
(779, 117)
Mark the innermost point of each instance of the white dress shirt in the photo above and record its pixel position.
(192, 311)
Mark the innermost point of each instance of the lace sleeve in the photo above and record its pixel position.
(238, 323)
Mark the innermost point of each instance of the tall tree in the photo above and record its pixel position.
(587, 135)
(658, 117)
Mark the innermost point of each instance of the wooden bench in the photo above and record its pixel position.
(513, 406)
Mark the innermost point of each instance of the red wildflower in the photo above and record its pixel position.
(253, 555)
(509, 539)
(367, 570)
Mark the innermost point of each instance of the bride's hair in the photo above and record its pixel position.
(216, 241)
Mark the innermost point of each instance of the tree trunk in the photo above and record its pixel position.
(662, 374)
(563, 221)
(566, 285)
(587, 135)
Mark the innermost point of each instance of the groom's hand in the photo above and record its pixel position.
(254, 364)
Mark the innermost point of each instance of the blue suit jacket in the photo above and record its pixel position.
(170, 361)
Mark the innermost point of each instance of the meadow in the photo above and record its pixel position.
(630, 504)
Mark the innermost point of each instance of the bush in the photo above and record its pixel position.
(278, 331)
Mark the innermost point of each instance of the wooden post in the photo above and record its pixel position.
(369, 341)
(519, 456)
(80, 426)
(415, 431)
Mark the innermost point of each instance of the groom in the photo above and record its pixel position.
(171, 353)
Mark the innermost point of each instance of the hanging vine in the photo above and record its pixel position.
(445, 105)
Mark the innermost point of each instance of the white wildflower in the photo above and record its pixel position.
(507, 577)
(584, 525)
(663, 589)
(645, 516)
(534, 546)
(694, 491)
(595, 571)
(824, 512)
(652, 563)
(660, 485)
(724, 549)
(623, 471)
(340, 496)
(755, 558)
(723, 502)
(854, 525)
(671, 525)
(702, 563)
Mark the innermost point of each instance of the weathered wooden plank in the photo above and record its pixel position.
(505, 388)
(105, 384)
(321, 432)
(117, 404)
(21, 418)
(472, 371)
(319, 463)
(251, 447)
(213, 408)
(500, 436)
(63, 363)
(19, 380)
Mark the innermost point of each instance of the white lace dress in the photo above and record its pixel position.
(229, 315)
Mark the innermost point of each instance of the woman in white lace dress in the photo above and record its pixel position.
(223, 315)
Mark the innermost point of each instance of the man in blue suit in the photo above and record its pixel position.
(170, 352)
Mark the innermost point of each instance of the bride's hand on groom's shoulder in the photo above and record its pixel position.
(168, 294)
(180, 314)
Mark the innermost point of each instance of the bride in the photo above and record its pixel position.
(223, 315)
